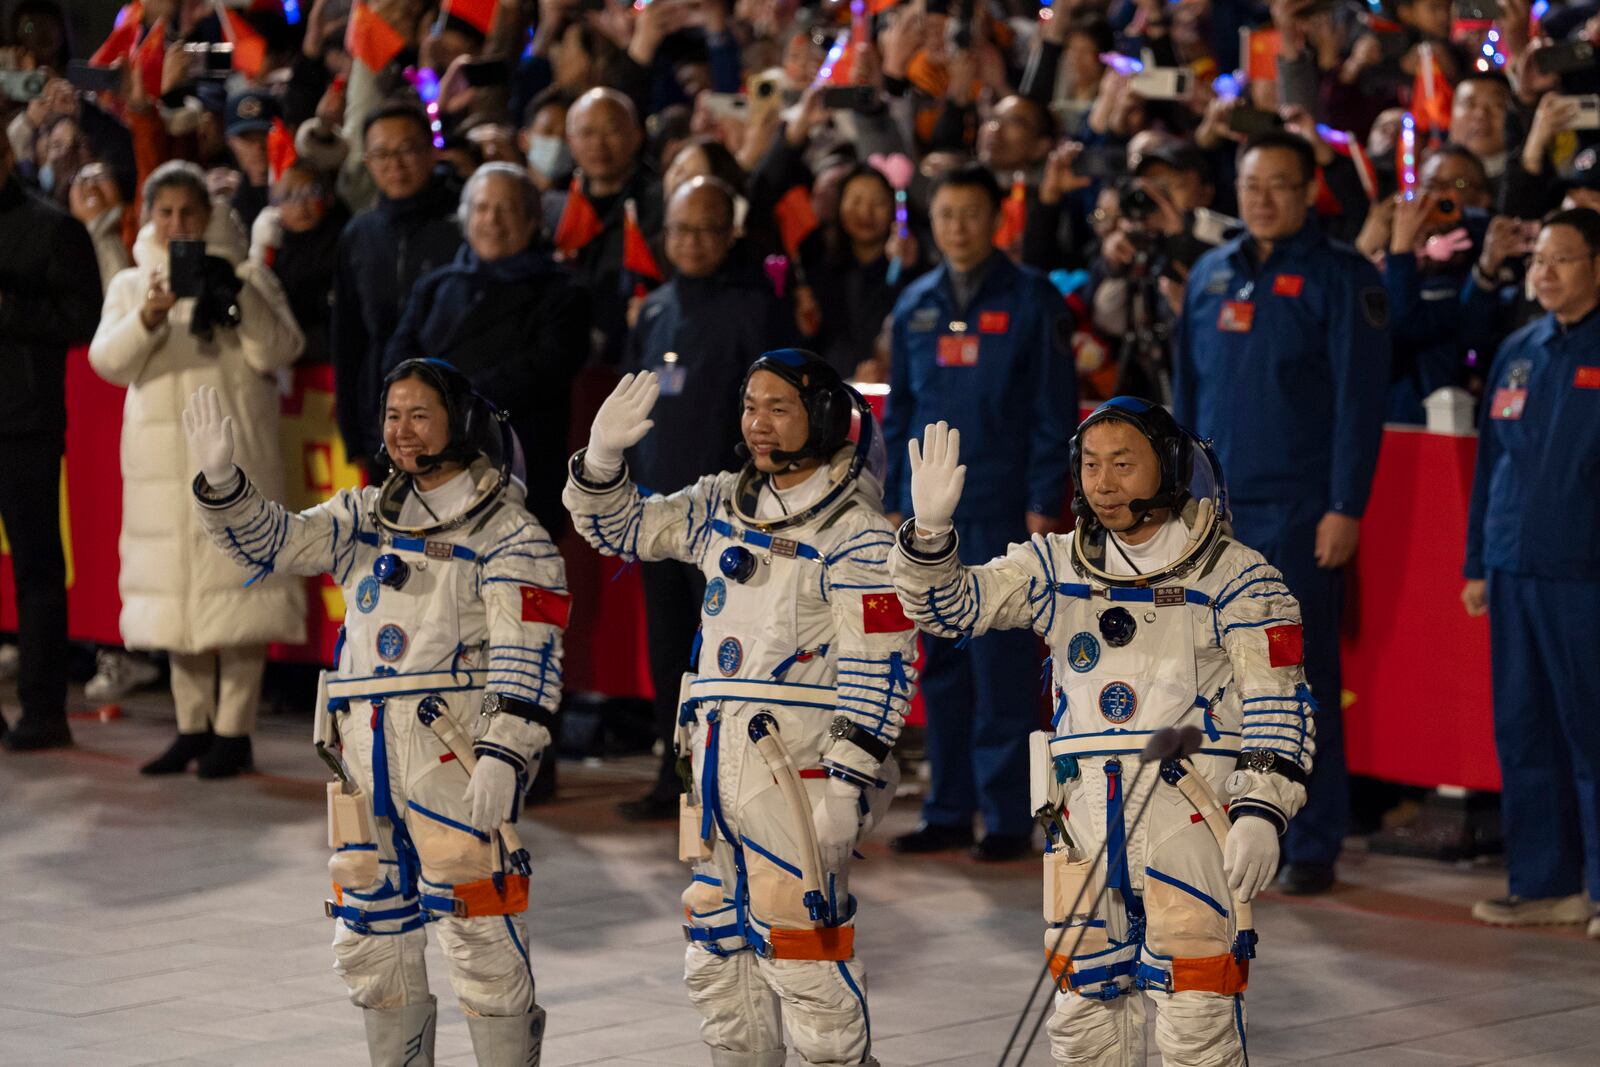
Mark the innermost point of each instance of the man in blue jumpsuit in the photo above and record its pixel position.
(1533, 563)
(977, 343)
(1282, 359)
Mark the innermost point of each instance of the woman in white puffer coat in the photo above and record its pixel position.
(178, 593)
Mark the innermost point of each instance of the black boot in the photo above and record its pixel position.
(229, 756)
(182, 752)
(33, 733)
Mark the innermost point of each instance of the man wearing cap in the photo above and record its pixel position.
(1282, 359)
(793, 702)
(246, 122)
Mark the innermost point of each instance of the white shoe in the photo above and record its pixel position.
(1547, 911)
(117, 674)
(8, 662)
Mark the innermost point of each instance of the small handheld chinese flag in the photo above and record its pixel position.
(370, 39)
(881, 614)
(543, 605)
(796, 218)
(579, 223)
(1013, 216)
(280, 149)
(1431, 95)
(636, 254)
(123, 38)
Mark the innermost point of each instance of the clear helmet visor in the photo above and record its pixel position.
(1200, 502)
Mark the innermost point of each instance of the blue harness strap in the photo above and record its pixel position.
(383, 804)
(1125, 595)
(764, 540)
(418, 544)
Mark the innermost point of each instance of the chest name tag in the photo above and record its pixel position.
(437, 550)
(1508, 403)
(957, 350)
(1168, 596)
(923, 320)
(1236, 316)
(782, 546)
(1586, 378)
(673, 377)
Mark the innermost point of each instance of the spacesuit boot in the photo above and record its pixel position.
(507, 1040)
(401, 1037)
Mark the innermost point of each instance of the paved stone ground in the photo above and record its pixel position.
(179, 921)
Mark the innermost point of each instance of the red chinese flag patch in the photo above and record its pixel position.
(1288, 284)
(1286, 646)
(541, 605)
(881, 614)
(1587, 378)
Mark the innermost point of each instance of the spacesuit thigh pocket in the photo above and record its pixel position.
(451, 851)
(777, 896)
(1182, 922)
(1070, 878)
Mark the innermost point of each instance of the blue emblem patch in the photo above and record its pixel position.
(716, 596)
(729, 655)
(392, 643)
(1118, 702)
(1083, 652)
(367, 595)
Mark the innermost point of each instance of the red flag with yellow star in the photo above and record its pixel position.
(881, 614)
(544, 605)
(579, 223)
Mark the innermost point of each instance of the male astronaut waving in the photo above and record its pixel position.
(1155, 618)
(800, 687)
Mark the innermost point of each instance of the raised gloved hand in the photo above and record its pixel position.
(490, 793)
(837, 815)
(621, 421)
(1250, 856)
(210, 435)
(936, 477)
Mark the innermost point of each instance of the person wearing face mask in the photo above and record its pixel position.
(1156, 617)
(440, 706)
(793, 703)
(543, 140)
(162, 345)
(511, 320)
(297, 236)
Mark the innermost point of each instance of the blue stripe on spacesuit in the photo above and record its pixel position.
(762, 540)
(1160, 876)
(771, 857)
(866, 1019)
(418, 544)
(446, 820)
(406, 858)
(618, 531)
(1253, 623)
(867, 538)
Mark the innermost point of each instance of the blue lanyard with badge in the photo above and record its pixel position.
(673, 375)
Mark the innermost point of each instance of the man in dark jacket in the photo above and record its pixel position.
(512, 321)
(49, 301)
(700, 332)
(412, 230)
(586, 220)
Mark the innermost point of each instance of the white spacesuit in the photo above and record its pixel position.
(1188, 627)
(455, 605)
(804, 669)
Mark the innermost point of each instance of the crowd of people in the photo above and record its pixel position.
(1289, 224)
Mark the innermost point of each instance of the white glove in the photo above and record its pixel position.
(266, 233)
(210, 434)
(837, 816)
(1250, 857)
(936, 478)
(490, 792)
(620, 423)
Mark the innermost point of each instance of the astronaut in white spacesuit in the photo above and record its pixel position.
(803, 672)
(446, 687)
(1155, 617)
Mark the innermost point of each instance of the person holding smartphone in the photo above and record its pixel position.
(165, 331)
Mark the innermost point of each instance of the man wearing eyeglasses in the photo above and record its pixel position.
(411, 231)
(1282, 359)
(699, 333)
